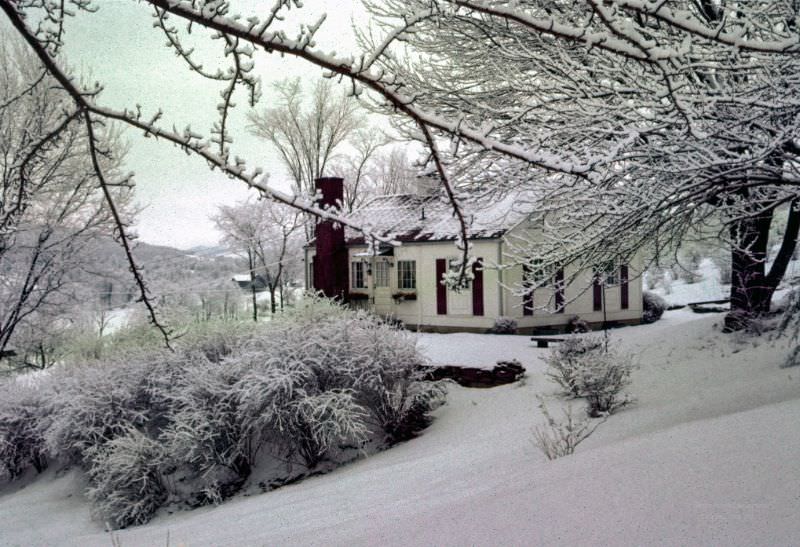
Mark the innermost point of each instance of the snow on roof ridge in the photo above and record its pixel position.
(417, 217)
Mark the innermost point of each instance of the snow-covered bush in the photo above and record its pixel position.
(388, 377)
(316, 387)
(91, 405)
(504, 325)
(586, 367)
(322, 421)
(566, 361)
(203, 435)
(127, 486)
(21, 442)
(577, 325)
(602, 379)
(560, 437)
(653, 307)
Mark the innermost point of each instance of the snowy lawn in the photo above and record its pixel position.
(710, 455)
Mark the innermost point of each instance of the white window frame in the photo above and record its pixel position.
(381, 274)
(357, 275)
(407, 267)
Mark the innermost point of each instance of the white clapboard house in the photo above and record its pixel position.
(404, 282)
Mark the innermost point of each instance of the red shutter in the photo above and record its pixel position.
(560, 291)
(623, 287)
(527, 296)
(477, 287)
(597, 291)
(441, 290)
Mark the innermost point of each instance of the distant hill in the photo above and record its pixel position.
(168, 272)
(209, 251)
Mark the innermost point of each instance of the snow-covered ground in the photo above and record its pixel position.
(677, 292)
(710, 455)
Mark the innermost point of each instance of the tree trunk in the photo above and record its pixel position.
(272, 305)
(251, 261)
(751, 287)
(784, 256)
(749, 239)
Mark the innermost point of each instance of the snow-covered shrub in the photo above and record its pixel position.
(586, 367)
(388, 377)
(653, 307)
(127, 486)
(21, 441)
(568, 358)
(321, 421)
(577, 325)
(560, 437)
(319, 385)
(602, 378)
(217, 339)
(504, 325)
(91, 405)
(204, 434)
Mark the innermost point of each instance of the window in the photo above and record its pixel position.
(357, 280)
(536, 275)
(381, 274)
(455, 268)
(406, 274)
(608, 273)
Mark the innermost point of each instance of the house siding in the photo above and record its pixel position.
(576, 298)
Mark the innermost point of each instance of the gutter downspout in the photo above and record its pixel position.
(500, 299)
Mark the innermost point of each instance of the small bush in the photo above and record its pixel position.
(567, 360)
(22, 445)
(602, 379)
(653, 307)
(126, 481)
(577, 325)
(560, 437)
(585, 367)
(504, 325)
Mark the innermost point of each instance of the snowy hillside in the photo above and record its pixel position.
(709, 455)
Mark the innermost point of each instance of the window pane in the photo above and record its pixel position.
(407, 274)
(381, 274)
(357, 276)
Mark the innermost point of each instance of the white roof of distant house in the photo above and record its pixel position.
(240, 278)
(413, 217)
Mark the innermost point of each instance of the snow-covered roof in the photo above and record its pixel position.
(413, 217)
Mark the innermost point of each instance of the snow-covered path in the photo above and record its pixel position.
(710, 455)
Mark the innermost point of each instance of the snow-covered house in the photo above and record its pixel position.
(404, 281)
(248, 283)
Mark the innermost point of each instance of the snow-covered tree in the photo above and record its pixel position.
(267, 235)
(52, 205)
(629, 116)
(654, 118)
(307, 132)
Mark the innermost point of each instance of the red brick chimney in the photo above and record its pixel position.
(330, 263)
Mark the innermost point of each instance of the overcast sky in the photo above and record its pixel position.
(119, 47)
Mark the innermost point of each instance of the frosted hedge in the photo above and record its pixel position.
(150, 427)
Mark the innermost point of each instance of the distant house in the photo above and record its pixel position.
(244, 281)
(405, 281)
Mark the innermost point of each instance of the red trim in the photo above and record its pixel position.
(597, 292)
(559, 286)
(527, 296)
(623, 287)
(441, 290)
(477, 287)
